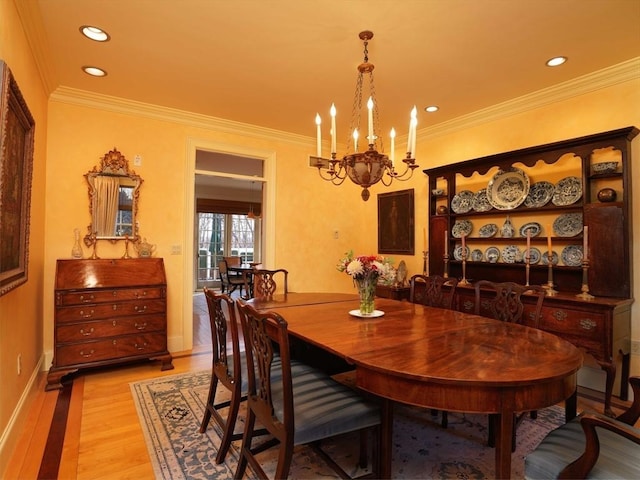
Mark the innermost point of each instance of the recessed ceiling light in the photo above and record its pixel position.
(431, 108)
(556, 61)
(94, 33)
(94, 71)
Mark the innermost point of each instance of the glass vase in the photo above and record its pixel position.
(367, 292)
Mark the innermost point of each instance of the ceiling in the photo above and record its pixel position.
(275, 63)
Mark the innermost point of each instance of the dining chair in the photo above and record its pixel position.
(264, 282)
(228, 364)
(233, 262)
(432, 290)
(296, 407)
(504, 303)
(229, 282)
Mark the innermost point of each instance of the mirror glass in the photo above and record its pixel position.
(113, 199)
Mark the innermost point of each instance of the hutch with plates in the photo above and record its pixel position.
(505, 217)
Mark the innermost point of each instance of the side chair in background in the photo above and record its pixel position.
(504, 303)
(296, 407)
(264, 282)
(433, 291)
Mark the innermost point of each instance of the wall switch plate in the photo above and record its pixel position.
(635, 347)
(137, 160)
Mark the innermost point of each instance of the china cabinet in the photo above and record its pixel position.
(566, 203)
(108, 311)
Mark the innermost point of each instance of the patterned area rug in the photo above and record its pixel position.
(171, 409)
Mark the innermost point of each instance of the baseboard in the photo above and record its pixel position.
(11, 435)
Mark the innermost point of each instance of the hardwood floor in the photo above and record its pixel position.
(103, 438)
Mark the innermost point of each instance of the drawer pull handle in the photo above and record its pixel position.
(114, 307)
(140, 309)
(141, 326)
(468, 305)
(114, 293)
(87, 298)
(86, 333)
(87, 355)
(560, 315)
(143, 294)
(141, 347)
(86, 315)
(587, 324)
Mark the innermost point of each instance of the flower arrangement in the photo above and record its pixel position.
(367, 271)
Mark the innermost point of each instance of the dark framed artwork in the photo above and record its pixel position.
(16, 166)
(396, 223)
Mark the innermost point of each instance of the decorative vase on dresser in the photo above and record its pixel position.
(107, 312)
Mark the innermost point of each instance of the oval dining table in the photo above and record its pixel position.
(437, 358)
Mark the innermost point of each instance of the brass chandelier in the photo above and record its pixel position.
(370, 166)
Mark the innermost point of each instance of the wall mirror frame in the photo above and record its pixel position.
(114, 191)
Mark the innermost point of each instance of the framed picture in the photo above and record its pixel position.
(16, 165)
(395, 223)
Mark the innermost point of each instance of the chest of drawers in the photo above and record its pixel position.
(108, 311)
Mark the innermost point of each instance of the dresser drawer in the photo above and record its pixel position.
(108, 310)
(100, 329)
(590, 325)
(99, 296)
(129, 346)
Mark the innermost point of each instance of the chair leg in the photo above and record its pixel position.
(213, 386)
(229, 427)
(245, 449)
(445, 419)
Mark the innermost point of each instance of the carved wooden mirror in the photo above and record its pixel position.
(113, 200)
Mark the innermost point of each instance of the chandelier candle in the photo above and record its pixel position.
(319, 135)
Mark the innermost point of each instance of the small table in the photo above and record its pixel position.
(244, 270)
(396, 292)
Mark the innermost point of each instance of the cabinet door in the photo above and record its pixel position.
(608, 252)
(437, 227)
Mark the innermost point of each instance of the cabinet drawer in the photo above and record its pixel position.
(108, 310)
(98, 296)
(590, 325)
(104, 350)
(100, 329)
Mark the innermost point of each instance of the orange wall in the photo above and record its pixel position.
(21, 309)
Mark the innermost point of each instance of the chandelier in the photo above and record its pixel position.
(370, 166)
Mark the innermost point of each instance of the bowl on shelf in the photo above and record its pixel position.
(604, 167)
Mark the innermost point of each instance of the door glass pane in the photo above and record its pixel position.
(210, 246)
(242, 237)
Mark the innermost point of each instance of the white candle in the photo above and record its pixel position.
(585, 246)
(333, 128)
(424, 234)
(463, 246)
(549, 239)
(414, 125)
(392, 154)
(446, 242)
(409, 135)
(355, 140)
(528, 252)
(318, 135)
(370, 119)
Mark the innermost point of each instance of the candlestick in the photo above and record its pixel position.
(425, 263)
(370, 119)
(549, 286)
(549, 240)
(424, 238)
(332, 112)
(584, 290)
(585, 246)
(446, 242)
(318, 135)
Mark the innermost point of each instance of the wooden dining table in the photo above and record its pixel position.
(437, 358)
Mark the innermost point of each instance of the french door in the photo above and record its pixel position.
(224, 235)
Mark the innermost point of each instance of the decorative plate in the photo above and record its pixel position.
(539, 195)
(567, 192)
(462, 202)
(533, 254)
(508, 189)
(554, 258)
(534, 229)
(572, 255)
(481, 202)
(492, 254)
(568, 225)
(461, 228)
(401, 273)
(476, 255)
(488, 230)
(457, 252)
(511, 254)
(374, 314)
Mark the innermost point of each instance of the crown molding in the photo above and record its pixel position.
(615, 74)
(84, 98)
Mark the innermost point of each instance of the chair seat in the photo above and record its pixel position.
(619, 457)
(337, 410)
